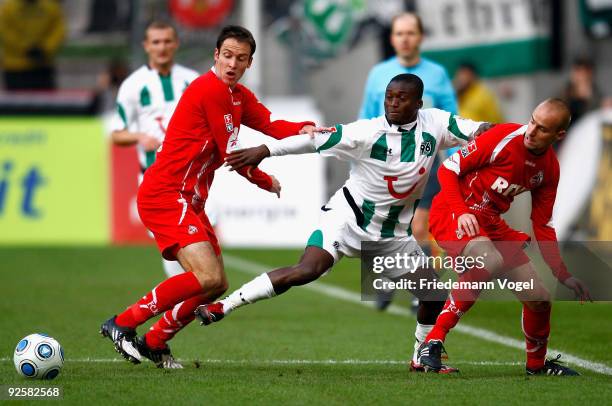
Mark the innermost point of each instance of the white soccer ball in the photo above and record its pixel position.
(38, 356)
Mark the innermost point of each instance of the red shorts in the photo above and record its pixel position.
(508, 241)
(176, 225)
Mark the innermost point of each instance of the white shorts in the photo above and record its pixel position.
(338, 234)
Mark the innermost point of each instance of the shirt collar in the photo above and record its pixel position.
(396, 128)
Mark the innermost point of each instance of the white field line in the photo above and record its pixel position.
(291, 361)
(255, 268)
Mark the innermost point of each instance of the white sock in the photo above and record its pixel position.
(257, 289)
(420, 333)
(172, 268)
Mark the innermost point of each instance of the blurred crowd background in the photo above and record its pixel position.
(66, 58)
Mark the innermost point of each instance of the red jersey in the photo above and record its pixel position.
(485, 175)
(203, 129)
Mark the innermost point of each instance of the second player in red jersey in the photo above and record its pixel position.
(482, 179)
(202, 130)
(479, 183)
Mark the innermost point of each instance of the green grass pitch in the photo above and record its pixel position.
(301, 348)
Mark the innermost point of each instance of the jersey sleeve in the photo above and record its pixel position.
(475, 154)
(543, 201)
(125, 115)
(257, 116)
(455, 130)
(256, 176)
(341, 142)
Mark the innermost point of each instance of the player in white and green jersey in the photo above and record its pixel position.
(145, 102)
(147, 98)
(390, 157)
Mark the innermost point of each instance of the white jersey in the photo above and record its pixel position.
(390, 166)
(146, 102)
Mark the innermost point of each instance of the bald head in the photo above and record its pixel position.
(548, 124)
(408, 18)
(558, 110)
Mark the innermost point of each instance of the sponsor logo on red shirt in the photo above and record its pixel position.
(229, 125)
(468, 149)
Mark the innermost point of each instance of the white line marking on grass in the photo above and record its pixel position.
(255, 268)
(291, 361)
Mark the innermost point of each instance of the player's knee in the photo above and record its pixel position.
(485, 254)
(216, 285)
(211, 277)
(493, 262)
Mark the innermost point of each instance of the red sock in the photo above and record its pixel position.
(172, 322)
(458, 303)
(165, 295)
(536, 327)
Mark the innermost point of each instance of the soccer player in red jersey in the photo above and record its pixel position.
(479, 183)
(202, 130)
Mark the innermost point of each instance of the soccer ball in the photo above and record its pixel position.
(38, 356)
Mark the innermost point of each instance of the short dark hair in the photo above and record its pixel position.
(411, 80)
(415, 15)
(160, 25)
(238, 33)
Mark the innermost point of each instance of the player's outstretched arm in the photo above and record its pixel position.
(299, 144)
(245, 157)
(484, 127)
(127, 138)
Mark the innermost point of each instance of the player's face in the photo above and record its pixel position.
(401, 103)
(405, 37)
(232, 60)
(543, 129)
(160, 45)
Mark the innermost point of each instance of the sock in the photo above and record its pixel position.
(458, 303)
(536, 327)
(165, 295)
(420, 333)
(172, 322)
(257, 289)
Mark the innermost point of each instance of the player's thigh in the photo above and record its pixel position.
(527, 276)
(443, 226)
(484, 252)
(201, 259)
(510, 243)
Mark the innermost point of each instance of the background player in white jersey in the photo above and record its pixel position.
(391, 157)
(147, 99)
